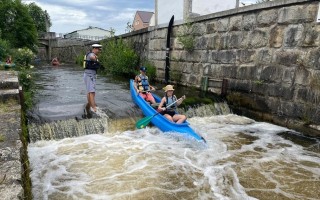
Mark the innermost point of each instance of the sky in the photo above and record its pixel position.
(70, 15)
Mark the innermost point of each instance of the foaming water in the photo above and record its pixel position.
(243, 159)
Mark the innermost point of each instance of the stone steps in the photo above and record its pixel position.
(9, 86)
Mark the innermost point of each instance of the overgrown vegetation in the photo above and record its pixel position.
(186, 36)
(119, 58)
(26, 80)
(2, 138)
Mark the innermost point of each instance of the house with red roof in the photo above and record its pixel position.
(142, 20)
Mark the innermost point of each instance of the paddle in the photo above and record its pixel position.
(145, 121)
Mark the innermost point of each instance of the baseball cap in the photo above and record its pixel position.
(143, 69)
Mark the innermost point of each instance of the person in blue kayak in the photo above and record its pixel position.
(92, 64)
(171, 112)
(143, 87)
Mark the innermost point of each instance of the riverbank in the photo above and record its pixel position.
(10, 143)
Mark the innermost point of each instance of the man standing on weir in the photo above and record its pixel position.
(92, 64)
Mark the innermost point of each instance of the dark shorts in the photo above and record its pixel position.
(169, 112)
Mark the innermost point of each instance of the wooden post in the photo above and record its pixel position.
(224, 87)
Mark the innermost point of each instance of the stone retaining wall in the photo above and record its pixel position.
(10, 144)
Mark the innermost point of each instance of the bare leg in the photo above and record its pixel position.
(179, 118)
(168, 117)
(91, 100)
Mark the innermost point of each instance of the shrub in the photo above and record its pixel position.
(186, 36)
(23, 57)
(27, 82)
(119, 58)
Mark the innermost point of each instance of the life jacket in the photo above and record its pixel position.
(143, 83)
(90, 64)
(170, 101)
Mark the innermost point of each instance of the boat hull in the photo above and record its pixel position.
(159, 120)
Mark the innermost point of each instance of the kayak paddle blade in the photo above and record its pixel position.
(142, 123)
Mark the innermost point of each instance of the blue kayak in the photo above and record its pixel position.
(159, 120)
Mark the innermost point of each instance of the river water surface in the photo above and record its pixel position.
(243, 158)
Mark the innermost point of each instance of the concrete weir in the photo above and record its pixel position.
(10, 143)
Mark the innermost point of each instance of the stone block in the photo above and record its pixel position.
(6, 95)
(211, 27)
(271, 74)
(267, 17)
(224, 41)
(235, 23)
(302, 77)
(279, 91)
(311, 36)
(313, 59)
(246, 73)
(263, 56)
(9, 80)
(276, 36)
(222, 25)
(258, 38)
(223, 57)
(249, 22)
(286, 58)
(307, 95)
(259, 87)
(293, 35)
(229, 71)
(235, 40)
(201, 43)
(297, 14)
(245, 56)
(214, 41)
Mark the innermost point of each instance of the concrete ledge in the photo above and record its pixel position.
(10, 145)
(9, 80)
(5, 95)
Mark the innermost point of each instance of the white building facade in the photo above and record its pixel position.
(91, 33)
(182, 9)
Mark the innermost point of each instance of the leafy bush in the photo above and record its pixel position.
(79, 59)
(118, 58)
(23, 57)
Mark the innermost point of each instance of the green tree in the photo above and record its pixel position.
(17, 25)
(4, 49)
(41, 18)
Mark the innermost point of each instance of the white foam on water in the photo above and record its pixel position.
(146, 164)
(101, 113)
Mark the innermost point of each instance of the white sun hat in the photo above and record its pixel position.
(96, 46)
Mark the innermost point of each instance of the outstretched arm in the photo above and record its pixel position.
(180, 100)
(163, 100)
